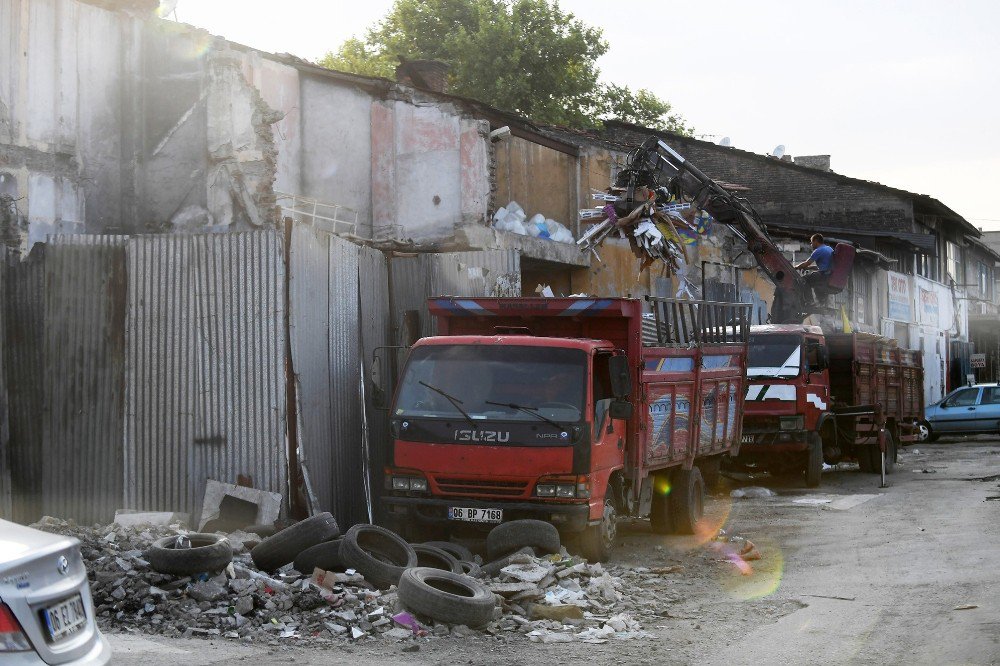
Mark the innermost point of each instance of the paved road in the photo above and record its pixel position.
(852, 574)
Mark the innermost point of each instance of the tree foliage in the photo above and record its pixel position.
(526, 56)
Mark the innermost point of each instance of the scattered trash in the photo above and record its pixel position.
(811, 500)
(752, 492)
(965, 607)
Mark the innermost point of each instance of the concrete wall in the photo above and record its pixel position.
(540, 179)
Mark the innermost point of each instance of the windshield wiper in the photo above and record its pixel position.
(527, 410)
(456, 403)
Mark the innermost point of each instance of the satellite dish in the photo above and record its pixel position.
(779, 151)
(726, 142)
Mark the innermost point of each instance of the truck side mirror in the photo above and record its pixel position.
(621, 378)
(621, 409)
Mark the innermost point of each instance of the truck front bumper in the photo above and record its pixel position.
(567, 518)
(767, 444)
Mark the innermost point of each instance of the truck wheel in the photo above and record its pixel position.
(659, 510)
(711, 472)
(814, 460)
(597, 541)
(890, 455)
(687, 503)
(505, 538)
(864, 456)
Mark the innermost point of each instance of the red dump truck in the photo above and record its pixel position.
(813, 398)
(574, 411)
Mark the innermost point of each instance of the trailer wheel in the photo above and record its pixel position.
(814, 460)
(659, 510)
(687, 504)
(597, 541)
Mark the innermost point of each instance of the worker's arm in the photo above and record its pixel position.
(805, 264)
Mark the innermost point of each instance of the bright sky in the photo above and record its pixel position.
(905, 93)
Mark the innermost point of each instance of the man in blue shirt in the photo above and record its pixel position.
(822, 259)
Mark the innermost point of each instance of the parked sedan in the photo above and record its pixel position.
(970, 410)
(46, 613)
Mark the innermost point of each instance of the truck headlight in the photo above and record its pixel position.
(418, 484)
(791, 422)
(566, 490)
(547, 490)
(400, 483)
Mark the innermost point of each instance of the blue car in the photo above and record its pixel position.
(970, 410)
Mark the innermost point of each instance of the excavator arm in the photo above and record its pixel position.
(655, 165)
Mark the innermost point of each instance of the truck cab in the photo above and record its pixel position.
(787, 400)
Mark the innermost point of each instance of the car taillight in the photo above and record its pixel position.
(12, 638)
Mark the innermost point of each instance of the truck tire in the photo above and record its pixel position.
(505, 538)
(659, 509)
(597, 541)
(208, 553)
(687, 500)
(276, 551)
(378, 554)
(446, 597)
(711, 472)
(814, 460)
(435, 558)
(890, 455)
(325, 556)
(457, 550)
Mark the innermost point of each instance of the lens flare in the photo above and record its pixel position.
(661, 486)
(748, 578)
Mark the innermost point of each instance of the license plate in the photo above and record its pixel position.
(65, 618)
(475, 515)
(749, 439)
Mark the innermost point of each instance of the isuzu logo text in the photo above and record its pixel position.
(482, 436)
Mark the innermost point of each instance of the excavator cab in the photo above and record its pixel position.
(840, 271)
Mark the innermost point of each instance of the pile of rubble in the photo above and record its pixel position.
(551, 598)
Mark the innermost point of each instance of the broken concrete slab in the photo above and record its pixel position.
(129, 518)
(269, 504)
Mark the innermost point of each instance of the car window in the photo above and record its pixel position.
(964, 398)
(991, 396)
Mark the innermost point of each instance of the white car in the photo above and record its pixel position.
(46, 612)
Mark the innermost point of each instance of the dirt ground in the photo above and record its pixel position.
(851, 574)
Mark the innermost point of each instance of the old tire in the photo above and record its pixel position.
(378, 554)
(457, 550)
(659, 510)
(597, 541)
(325, 556)
(446, 597)
(492, 569)
(470, 568)
(276, 551)
(505, 538)
(687, 500)
(208, 553)
(814, 460)
(436, 558)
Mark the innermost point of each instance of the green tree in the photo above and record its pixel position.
(526, 56)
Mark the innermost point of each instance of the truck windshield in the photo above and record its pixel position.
(774, 355)
(529, 383)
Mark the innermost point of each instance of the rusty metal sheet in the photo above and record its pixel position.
(205, 394)
(82, 474)
(24, 315)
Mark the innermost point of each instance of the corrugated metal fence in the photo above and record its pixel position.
(137, 368)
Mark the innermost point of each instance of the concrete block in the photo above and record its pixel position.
(269, 504)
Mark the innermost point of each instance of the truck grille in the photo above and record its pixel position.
(481, 487)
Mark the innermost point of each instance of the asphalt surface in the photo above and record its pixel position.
(851, 574)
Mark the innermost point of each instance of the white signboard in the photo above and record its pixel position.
(900, 302)
(978, 360)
